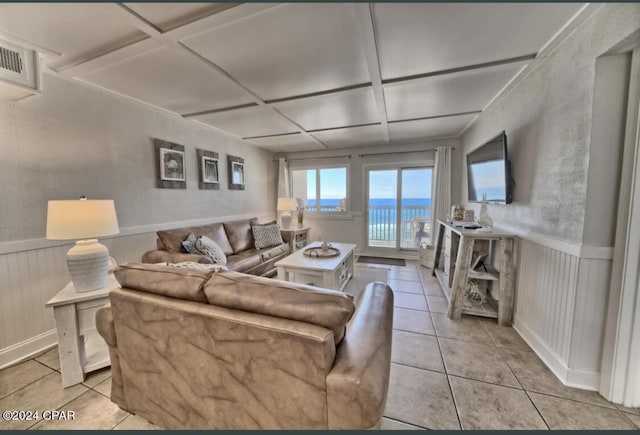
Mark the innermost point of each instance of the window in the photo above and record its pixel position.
(323, 190)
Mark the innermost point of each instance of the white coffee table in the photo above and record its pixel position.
(329, 272)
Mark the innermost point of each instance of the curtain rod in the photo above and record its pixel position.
(398, 152)
(346, 156)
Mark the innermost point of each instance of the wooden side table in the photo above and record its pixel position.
(298, 237)
(81, 348)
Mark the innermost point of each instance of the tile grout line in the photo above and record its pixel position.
(500, 349)
(444, 364)
(406, 422)
(544, 420)
(32, 382)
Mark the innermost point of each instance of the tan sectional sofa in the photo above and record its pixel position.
(201, 350)
(236, 240)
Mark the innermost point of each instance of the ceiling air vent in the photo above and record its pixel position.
(10, 60)
(19, 71)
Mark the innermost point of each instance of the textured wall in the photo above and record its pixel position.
(75, 140)
(547, 117)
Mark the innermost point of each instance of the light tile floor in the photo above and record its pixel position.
(467, 374)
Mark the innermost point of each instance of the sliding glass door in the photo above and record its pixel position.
(398, 207)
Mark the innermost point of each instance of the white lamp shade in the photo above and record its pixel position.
(286, 204)
(81, 219)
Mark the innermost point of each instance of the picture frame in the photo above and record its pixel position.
(170, 165)
(236, 171)
(209, 170)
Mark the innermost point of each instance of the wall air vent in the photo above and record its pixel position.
(20, 74)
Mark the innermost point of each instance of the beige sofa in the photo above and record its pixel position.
(236, 240)
(196, 350)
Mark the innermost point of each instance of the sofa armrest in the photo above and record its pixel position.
(106, 328)
(286, 236)
(358, 382)
(104, 324)
(158, 256)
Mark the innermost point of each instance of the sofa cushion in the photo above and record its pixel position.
(181, 283)
(239, 234)
(275, 251)
(244, 261)
(211, 249)
(327, 308)
(171, 240)
(266, 235)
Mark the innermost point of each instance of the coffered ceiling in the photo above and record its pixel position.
(297, 76)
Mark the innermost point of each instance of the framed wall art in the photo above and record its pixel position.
(170, 165)
(209, 170)
(236, 173)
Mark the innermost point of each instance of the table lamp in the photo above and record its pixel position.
(285, 205)
(84, 220)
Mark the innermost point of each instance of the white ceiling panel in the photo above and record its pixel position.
(465, 91)
(70, 28)
(351, 137)
(288, 143)
(171, 79)
(252, 121)
(416, 38)
(167, 16)
(293, 49)
(429, 128)
(342, 109)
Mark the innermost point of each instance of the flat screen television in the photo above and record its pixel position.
(488, 172)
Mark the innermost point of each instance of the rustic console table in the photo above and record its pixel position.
(460, 243)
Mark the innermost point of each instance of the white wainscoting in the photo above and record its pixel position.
(33, 271)
(561, 305)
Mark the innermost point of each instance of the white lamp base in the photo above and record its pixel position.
(285, 220)
(88, 263)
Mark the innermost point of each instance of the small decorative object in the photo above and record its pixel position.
(469, 215)
(473, 292)
(319, 252)
(484, 219)
(457, 212)
(171, 165)
(84, 220)
(300, 209)
(236, 173)
(325, 246)
(285, 205)
(209, 173)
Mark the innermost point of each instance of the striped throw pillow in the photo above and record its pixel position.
(211, 249)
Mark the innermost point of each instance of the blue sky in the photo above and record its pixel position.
(416, 183)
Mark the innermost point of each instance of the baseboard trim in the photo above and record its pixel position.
(26, 349)
(582, 379)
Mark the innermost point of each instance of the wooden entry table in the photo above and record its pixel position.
(459, 243)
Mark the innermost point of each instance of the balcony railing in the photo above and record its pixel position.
(415, 226)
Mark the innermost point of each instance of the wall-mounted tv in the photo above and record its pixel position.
(488, 172)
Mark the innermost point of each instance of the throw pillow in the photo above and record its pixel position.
(211, 249)
(189, 244)
(266, 235)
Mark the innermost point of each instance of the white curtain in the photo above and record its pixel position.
(440, 189)
(283, 178)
